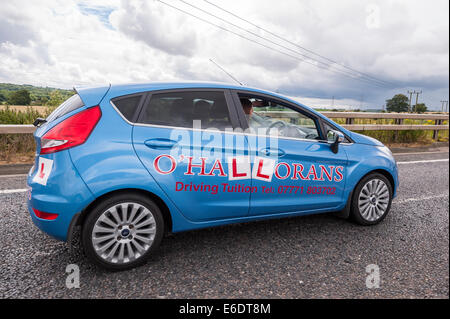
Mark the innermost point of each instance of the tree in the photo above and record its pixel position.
(20, 97)
(2, 97)
(420, 108)
(399, 103)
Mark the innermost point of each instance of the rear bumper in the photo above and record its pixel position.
(65, 194)
(57, 228)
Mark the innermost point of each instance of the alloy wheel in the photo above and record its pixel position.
(373, 200)
(123, 233)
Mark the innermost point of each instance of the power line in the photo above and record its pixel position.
(326, 65)
(251, 40)
(230, 31)
(299, 46)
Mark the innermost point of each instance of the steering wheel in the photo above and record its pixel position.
(283, 125)
(311, 136)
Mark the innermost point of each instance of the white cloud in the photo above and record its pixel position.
(66, 42)
(152, 24)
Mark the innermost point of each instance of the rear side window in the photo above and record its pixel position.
(127, 106)
(72, 103)
(180, 109)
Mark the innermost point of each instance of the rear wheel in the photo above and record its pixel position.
(122, 231)
(372, 199)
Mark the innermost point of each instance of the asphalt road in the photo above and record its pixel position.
(304, 257)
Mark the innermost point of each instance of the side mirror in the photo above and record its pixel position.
(334, 138)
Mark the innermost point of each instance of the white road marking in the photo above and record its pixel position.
(425, 161)
(412, 162)
(23, 190)
(13, 191)
(420, 153)
(407, 200)
(15, 175)
(419, 199)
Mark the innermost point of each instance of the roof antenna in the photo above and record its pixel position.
(226, 72)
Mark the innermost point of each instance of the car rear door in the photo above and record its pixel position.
(185, 138)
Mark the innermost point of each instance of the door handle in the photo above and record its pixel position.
(272, 152)
(160, 143)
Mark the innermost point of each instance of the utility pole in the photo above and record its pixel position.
(417, 97)
(410, 99)
(446, 105)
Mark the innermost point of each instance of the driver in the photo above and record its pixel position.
(252, 118)
(247, 105)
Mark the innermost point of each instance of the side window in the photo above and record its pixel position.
(127, 105)
(72, 103)
(180, 109)
(271, 118)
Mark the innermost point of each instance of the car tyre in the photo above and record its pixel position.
(372, 199)
(122, 231)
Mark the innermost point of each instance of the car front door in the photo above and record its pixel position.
(294, 170)
(185, 139)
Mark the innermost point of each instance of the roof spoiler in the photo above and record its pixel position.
(92, 95)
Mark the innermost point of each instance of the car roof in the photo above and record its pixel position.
(173, 85)
(115, 90)
(130, 88)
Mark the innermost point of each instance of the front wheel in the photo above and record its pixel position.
(122, 231)
(371, 200)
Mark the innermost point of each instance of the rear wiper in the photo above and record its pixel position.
(39, 121)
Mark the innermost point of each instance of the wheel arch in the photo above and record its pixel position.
(386, 174)
(158, 201)
(345, 213)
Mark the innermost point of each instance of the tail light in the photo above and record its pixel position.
(71, 132)
(43, 215)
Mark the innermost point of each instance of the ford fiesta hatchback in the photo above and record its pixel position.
(129, 163)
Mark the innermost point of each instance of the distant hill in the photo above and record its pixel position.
(39, 95)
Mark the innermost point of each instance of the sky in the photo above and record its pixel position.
(338, 54)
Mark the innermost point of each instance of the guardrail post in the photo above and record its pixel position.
(436, 132)
(349, 121)
(396, 133)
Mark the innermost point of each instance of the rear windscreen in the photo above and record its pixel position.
(69, 105)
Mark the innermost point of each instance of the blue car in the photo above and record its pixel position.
(128, 163)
